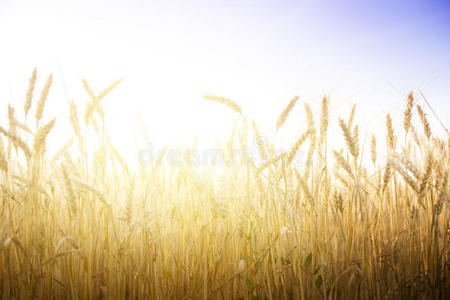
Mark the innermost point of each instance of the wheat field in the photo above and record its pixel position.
(83, 224)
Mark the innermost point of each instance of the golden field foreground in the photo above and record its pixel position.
(82, 225)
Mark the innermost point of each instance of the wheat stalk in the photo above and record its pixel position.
(230, 103)
(17, 141)
(409, 165)
(324, 119)
(270, 162)
(312, 138)
(29, 96)
(129, 203)
(356, 141)
(94, 103)
(118, 157)
(311, 150)
(304, 187)
(408, 112)
(309, 116)
(341, 179)
(338, 201)
(260, 143)
(283, 116)
(41, 102)
(88, 187)
(41, 135)
(11, 120)
(425, 177)
(108, 89)
(73, 117)
(296, 146)
(373, 149)
(3, 160)
(70, 192)
(408, 179)
(351, 117)
(443, 193)
(387, 176)
(343, 163)
(390, 137)
(62, 150)
(349, 139)
(88, 90)
(423, 119)
(22, 126)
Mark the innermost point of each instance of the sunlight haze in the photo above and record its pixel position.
(258, 53)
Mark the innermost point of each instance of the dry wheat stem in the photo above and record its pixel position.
(407, 116)
(352, 145)
(373, 149)
(228, 102)
(17, 141)
(390, 137)
(29, 96)
(283, 116)
(296, 146)
(44, 94)
(423, 119)
(41, 135)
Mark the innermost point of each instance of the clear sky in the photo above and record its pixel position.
(259, 53)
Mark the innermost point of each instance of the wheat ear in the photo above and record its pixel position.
(409, 165)
(356, 140)
(62, 150)
(373, 149)
(228, 102)
(29, 96)
(41, 135)
(107, 90)
(270, 162)
(296, 146)
(425, 177)
(387, 176)
(349, 139)
(443, 194)
(283, 116)
(343, 163)
(324, 119)
(43, 98)
(88, 90)
(309, 116)
(304, 187)
(313, 138)
(423, 119)
(408, 112)
(94, 104)
(390, 137)
(74, 121)
(17, 141)
(410, 181)
(3, 160)
(352, 116)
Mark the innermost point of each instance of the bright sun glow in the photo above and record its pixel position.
(171, 53)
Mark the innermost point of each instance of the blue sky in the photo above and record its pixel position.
(259, 53)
